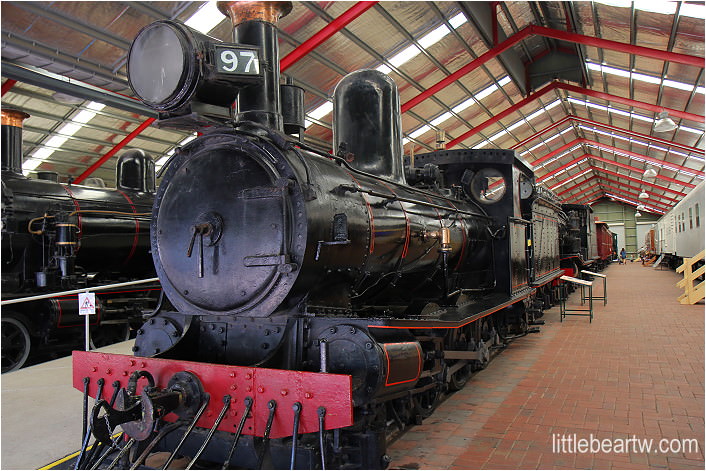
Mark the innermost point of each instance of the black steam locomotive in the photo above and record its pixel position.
(58, 238)
(321, 299)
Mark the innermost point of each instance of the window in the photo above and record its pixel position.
(691, 219)
(696, 210)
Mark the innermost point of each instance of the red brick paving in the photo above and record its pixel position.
(637, 370)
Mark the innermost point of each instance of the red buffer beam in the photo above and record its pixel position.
(329, 30)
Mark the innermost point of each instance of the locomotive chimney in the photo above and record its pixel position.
(12, 140)
(254, 24)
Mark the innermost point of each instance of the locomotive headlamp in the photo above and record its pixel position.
(171, 65)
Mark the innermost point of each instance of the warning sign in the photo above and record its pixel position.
(86, 303)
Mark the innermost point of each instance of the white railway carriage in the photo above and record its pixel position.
(680, 232)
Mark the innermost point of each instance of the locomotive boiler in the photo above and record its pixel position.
(58, 237)
(320, 299)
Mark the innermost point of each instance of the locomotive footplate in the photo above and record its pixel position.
(243, 385)
(452, 317)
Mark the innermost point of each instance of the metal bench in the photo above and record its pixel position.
(605, 286)
(563, 311)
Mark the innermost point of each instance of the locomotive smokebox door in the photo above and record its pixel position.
(229, 229)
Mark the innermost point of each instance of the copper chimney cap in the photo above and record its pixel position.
(246, 10)
(13, 117)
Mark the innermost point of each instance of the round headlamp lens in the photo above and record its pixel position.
(156, 64)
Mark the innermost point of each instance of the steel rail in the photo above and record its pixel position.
(76, 291)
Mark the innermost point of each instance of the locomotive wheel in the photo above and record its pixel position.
(459, 379)
(16, 343)
(425, 403)
(105, 335)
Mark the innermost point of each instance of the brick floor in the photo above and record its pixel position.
(637, 370)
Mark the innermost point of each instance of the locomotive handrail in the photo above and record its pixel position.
(76, 291)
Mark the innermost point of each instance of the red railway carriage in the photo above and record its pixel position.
(604, 241)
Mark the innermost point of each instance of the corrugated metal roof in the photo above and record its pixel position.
(88, 41)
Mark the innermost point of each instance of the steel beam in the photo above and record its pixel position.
(638, 181)
(466, 69)
(653, 160)
(580, 195)
(600, 43)
(631, 168)
(114, 150)
(573, 187)
(563, 167)
(59, 83)
(672, 201)
(609, 148)
(656, 204)
(572, 88)
(634, 103)
(72, 24)
(326, 32)
(541, 131)
(7, 86)
(483, 16)
(532, 30)
(579, 119)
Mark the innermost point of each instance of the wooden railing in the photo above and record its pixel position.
(692, 294)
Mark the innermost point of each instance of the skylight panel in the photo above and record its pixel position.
(434, 37)
(418, 132)
(441, 118)
(402, 57)
(458, 20)
(634, 203)
(63, 133)
(642, 77)
(693, 10)
(580, 174)
(206, 18)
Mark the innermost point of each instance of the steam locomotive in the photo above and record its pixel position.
(321, 299)
(586, 244)
(58, 237)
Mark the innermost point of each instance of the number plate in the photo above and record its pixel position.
(237, 61)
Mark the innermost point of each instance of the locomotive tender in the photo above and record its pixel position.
(58, 237)
(320, 299)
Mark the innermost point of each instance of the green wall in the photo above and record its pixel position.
(616, 212)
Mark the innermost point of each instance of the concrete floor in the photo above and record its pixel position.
(41, 413)
(637, 370)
